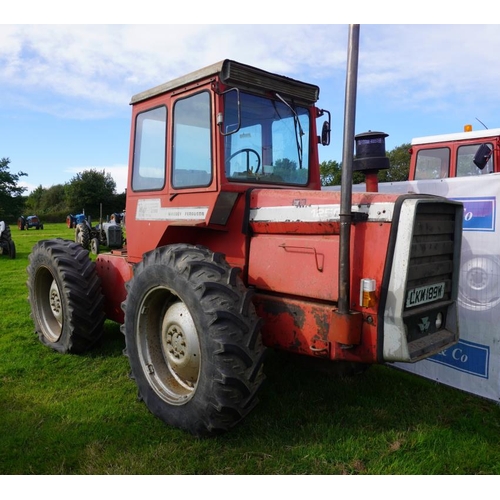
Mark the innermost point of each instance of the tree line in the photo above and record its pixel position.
(87, 190)
(399, 160)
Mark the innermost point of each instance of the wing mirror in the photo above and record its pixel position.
(482, 156)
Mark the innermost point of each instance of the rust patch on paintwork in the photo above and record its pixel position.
(294, 325)
(277, 308)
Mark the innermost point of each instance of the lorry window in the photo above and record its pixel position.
(272, 143)
(148, 171)
(465, 161)
(192, 147)
(432, 163)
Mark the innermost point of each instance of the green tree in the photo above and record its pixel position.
(88, 189)
(11, 199)
(54, 199)
(34, 200)
(399, 159)
(331, 174)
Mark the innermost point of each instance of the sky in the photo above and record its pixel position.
(65, 88)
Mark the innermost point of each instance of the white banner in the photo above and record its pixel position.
(472, 365)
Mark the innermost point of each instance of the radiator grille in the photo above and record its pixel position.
(433, 247)
(431, 271)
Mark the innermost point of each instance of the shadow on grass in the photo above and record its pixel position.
(111, 344)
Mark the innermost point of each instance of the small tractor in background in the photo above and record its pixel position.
(7, 245)
(232, 247)
(105, 234)
(29, 222)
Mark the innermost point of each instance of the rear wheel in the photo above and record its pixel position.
(82, 235)
(65, 296)
(193, 339)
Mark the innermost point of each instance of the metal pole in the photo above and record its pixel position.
(347, 159)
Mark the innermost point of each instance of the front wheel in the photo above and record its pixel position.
(193, 339)
(65, 296)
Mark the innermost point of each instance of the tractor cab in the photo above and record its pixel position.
(200, 142)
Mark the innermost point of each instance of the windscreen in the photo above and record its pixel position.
(267, 140)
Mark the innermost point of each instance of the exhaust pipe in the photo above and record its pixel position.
(347, 169)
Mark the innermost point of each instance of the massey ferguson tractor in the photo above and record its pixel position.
(232, 247)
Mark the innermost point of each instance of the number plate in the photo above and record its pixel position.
(424, 294)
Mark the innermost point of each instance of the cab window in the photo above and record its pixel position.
(465, 161)
(432, 164)
(148, 171)
(269, 143)
(192, 145)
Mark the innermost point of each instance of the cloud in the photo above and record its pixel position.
(428, 63)
(103, 65)
(94, 69)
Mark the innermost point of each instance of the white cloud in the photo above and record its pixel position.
(96, 68)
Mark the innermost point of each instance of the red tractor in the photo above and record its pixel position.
(233, 247)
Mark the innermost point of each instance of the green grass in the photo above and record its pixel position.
(68, 414)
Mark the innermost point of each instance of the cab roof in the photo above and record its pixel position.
(233, 73)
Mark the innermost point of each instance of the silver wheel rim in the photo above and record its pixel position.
(49, 305)
(168, 345)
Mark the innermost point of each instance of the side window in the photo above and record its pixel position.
(432, 164)
(465, 161)
(192, 145)
(149, 150)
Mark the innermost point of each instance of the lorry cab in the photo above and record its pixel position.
(464, 154)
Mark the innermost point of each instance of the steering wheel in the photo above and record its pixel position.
(247, 151)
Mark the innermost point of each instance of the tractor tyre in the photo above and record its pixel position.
(94, 246)
(12, 249)
(193, 339)
(64, 290)
(82, 235)
(20, 223)
(7, 245)
(7, 233)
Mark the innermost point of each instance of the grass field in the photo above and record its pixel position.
(68, 414)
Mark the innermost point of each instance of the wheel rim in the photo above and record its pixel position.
(480, 284)
(49, 305)
(169, 346)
